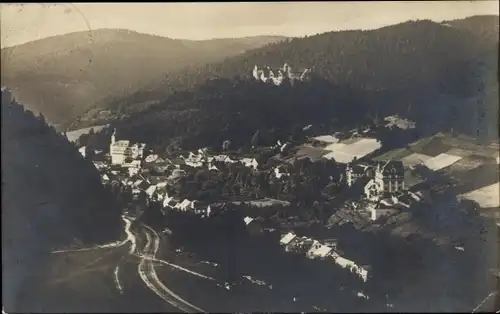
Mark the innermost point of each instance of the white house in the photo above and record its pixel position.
(100, 165)
(212, 167)
(194, 164)
(82, 150)
(185, 205)
(248, 220)
(287, 238)
(319, 250)
(315, 245)
(105, 178)
(346, 263)
(280, 172)
(151, 190)
(132, 171)
(222, 158)
(250, 163)
(192, 157)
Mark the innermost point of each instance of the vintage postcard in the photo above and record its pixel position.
(250, 157)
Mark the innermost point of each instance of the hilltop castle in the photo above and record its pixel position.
(267, 75)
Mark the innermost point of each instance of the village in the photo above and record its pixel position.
(378, 191)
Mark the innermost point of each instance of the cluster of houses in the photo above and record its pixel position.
(379, 183)
(201, 159)
(267, 75)
(148, 176)
(313, 249)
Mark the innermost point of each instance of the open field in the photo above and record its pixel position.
(346, 152)
(441, 161)
(74, 135)
(314, 153)
(438, 144)
(486, 197)
(415, 159)
(395, 154)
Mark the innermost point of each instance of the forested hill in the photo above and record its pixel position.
(62, 76)
(51, 196)
(419, 57)
(485, 26)
(47, 180)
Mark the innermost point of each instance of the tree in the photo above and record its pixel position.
(296, 133)
(225, 145)
(41, 117)
(255, 141)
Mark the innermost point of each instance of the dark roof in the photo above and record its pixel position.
(358, 169)
(393, 167)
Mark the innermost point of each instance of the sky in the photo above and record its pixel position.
(22, 23)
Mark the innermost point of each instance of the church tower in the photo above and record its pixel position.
(113, 137)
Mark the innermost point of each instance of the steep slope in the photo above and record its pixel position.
(413, 59)
(62, 76)
(224, 109)
(51, 196)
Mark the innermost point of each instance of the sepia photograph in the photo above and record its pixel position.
(239, 157)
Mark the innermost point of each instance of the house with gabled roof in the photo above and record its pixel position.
(287, 238)
(390, 176)
(319, 251)
(250, 163)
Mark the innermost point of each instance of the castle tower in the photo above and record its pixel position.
(113, 137)
(263, 77)
(255, 72)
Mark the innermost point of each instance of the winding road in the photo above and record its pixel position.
(148, 274)
(146, 266)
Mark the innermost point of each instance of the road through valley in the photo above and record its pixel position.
(144, 244)
(148, 274)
